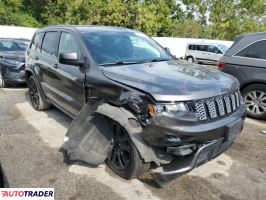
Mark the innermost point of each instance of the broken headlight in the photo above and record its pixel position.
(173, 109)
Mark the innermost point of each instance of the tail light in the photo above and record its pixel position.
(220, 65)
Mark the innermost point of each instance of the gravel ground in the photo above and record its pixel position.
(30, 157)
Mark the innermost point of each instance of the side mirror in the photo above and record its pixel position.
(70, 58)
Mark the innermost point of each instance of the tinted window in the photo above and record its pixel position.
(202, 47)
(191, 47)
(256, 50)
(49, 43)
(68, 43)
(37, 41)
(213, 49)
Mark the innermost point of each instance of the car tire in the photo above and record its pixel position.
(190, 59)
(2, 81)
(38, 101)
(124, 159)
(255, 98)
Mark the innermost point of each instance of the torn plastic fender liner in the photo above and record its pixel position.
(89, 139)
(90, 136)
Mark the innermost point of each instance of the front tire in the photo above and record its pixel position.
(38, 101)
(255, 99)
(125, 159)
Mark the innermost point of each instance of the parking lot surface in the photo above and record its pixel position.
(29, 154)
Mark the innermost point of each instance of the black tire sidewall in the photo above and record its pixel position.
(36, 107)
(248, 89)
(3, 84)
(191, 58)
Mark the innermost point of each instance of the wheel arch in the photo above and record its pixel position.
(251, 83)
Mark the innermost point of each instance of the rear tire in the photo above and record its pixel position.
(190, 59)
(2, 81)
(255, 98)
(38, 101)
(124, 158)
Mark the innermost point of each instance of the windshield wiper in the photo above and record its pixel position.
(119, 63)
(158, 60)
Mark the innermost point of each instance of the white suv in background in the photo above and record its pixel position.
(208, 53)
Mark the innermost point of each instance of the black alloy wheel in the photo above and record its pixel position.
(124, 158)
(34, 93)
(120, 156)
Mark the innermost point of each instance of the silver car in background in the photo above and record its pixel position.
(208, 53)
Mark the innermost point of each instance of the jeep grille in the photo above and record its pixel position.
(219, 106)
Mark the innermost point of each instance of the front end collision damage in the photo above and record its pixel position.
(163, 140)
(160, 140)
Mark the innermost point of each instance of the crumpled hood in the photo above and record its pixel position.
(173, 80)
(14, 55)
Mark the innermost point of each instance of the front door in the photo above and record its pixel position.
(69, 78)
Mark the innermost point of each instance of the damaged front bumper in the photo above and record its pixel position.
(192, 144)
(180, 166)
(14, 74)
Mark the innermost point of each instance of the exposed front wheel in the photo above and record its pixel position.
(255, 99)
(38, 102)
(124, 158)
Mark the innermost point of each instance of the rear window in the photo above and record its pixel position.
(50, 43)
(37, 41)
(255, 50)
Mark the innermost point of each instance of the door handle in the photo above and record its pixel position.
(55, 66)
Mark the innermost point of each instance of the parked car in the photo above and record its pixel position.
(246, 60)
(12, 61)
(153, 110)
(208, 53)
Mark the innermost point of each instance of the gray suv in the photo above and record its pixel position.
(134, 106)
(246, 60)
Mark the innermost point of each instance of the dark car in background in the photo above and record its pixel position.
(246, 60)
(12, 61)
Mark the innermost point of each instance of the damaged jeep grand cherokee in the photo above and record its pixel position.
(134, 106)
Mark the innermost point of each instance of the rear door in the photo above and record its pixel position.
(47, 60)
(202, 53)
(69, 79)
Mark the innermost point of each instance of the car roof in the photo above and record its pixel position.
(86, 28)
(204, 43)
(14, 39)
(244, 40)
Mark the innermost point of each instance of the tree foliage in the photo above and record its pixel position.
(214, 19)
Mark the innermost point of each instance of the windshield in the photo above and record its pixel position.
(12, 46)
(117, 47)
(223, 48)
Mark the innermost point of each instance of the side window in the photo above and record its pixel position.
(191, 47)
(202, 47)
(49, 43)
(37, 42)
(255, 50)
(213, 49)
(68, 43)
